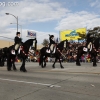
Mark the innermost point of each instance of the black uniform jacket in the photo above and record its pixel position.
(17, 40)
(51, 41)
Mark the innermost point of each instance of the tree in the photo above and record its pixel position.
(45, 42)
(82, 36)
(95, 32)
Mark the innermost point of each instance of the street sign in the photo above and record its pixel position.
(31, 34)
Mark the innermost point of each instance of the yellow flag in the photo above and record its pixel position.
(72, 34)
(81, 30)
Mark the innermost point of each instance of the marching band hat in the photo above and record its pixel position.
(17, 33)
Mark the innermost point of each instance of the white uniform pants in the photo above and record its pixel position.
(17, 46)
(90, 46)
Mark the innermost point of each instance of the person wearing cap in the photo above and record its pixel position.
(89, 41)
(51, 39)
(18, 41)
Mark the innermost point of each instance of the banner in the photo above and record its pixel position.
(72, 34)
(31, 34)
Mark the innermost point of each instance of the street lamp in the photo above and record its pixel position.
(20, 26)
(15, 17)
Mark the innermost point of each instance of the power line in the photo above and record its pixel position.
(7, 37)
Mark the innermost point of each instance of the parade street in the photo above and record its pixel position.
(71, 83)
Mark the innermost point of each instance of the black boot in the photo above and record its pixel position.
(16, 52)
(88, 50)
(51, 53)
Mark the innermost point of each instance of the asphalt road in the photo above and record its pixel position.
(71, 83)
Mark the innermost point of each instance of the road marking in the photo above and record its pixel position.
(49, 85)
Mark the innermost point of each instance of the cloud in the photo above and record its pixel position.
(78, 20)
(35, 11)
(96, 3)
(41, 12)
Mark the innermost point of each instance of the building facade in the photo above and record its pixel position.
(7, 43)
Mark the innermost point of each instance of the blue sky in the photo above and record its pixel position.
(48, 16)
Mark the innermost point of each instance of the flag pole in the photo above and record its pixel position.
(59, 36)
